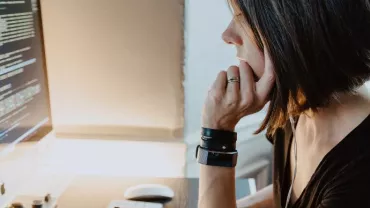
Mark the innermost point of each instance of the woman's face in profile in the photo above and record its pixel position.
(240, 35)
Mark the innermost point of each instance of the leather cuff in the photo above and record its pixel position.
(218, 134)
(223, 145)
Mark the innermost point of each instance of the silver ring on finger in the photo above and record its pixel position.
(233, 80)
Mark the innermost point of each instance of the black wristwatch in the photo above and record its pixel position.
(216, 158)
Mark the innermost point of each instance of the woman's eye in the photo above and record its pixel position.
(238, 16)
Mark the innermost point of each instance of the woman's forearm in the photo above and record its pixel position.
(233, 95)
(217, 187)
(261, 199)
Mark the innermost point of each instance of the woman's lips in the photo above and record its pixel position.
(241, 59)
(256, 79)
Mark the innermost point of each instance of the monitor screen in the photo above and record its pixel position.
(24, 95)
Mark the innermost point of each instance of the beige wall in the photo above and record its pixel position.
(114, 64)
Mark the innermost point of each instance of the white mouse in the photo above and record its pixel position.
(148, 192)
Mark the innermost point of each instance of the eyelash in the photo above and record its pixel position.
(238, 16)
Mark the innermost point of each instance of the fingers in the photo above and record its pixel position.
(233, 88)
(267, 81)
(220, 83)
(247, 84)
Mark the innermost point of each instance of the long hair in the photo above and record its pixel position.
(318, 48)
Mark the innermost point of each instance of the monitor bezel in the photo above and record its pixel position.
(45, 129)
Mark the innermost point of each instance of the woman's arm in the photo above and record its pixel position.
(261, 199)
(227, 102)
(217, 187)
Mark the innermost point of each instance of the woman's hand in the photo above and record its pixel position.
(227, 103)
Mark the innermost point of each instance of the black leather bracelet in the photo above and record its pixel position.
(218, 134)
(229, 140)
(223, 145)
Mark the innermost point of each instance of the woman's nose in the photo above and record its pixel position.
(230, 36)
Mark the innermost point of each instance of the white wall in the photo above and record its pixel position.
(206, 55)
(114, 63)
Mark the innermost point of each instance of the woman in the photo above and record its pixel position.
(309, 59)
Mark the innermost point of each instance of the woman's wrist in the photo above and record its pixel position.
(218, 126)
(218, 134)
(217, 148)
(218, 140)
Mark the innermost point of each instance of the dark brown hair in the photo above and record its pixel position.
(318, 48)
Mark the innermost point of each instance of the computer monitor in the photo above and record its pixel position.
(24, 95)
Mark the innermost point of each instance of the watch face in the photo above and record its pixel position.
(223, 159)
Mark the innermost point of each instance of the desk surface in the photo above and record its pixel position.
(98, 192)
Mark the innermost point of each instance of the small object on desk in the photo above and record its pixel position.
(50, 202)
(37, 204)
(47, 198)
(17, 205)
(133, 204)
(2, 188)
(149, 192)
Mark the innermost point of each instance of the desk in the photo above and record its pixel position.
(98, 192)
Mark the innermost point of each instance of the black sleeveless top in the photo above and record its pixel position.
(342, 178)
